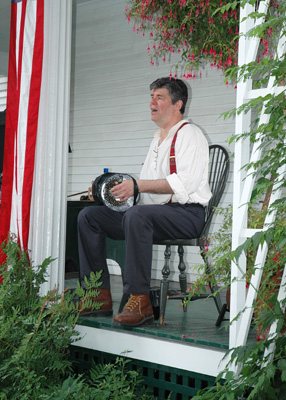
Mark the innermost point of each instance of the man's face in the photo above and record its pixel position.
(162, 109)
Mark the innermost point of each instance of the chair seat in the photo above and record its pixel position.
(183, 242)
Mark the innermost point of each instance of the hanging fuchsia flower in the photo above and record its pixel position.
(276, 258)
(191, 27)
(225, 15)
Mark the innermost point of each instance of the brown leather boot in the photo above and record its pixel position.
(137, 311)
(106, 308)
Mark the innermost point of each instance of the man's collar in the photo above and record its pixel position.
(173, 130)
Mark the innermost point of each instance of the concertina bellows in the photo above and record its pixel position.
(102, 185)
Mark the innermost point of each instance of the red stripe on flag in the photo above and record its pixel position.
(10, 131)
(32, 125)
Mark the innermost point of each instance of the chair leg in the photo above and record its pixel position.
(182, 269)
(221, 315)
(164, 283)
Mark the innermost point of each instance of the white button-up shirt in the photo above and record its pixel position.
(190, 183)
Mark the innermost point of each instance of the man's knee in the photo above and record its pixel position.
(87, 216)
(135, 215)
(81, 218)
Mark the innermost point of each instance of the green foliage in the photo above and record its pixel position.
(261, 365)
(36, 333)
(90, 292)
(201, 32)
(115, 381)
(263, 374)
(194, 30)
(218, 253)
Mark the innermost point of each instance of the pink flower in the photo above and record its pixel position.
(276, 258)
(225, 15)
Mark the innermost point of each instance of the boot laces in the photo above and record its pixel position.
(133, 301)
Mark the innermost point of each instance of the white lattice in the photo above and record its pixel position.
(243, 185)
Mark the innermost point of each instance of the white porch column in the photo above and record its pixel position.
(48, 209)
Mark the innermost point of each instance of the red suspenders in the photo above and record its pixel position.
(173, 168)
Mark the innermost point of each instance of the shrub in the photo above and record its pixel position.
(36, 333)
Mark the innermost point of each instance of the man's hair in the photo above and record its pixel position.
(176, 87)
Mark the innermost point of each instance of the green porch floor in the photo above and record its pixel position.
(195, 326)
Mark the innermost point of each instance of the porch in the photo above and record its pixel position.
(180, 356)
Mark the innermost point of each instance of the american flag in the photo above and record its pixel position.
(23, 96)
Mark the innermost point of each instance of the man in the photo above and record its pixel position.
(172, 199)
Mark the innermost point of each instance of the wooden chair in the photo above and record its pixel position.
(218, 174)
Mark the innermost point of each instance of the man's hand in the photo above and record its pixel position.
(124, 190)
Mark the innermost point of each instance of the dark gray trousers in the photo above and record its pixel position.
(139, 226)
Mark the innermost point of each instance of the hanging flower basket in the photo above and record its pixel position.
(199, 31)
(191, 28)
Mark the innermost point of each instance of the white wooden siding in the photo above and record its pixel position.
(110, 122)
(3, 93)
